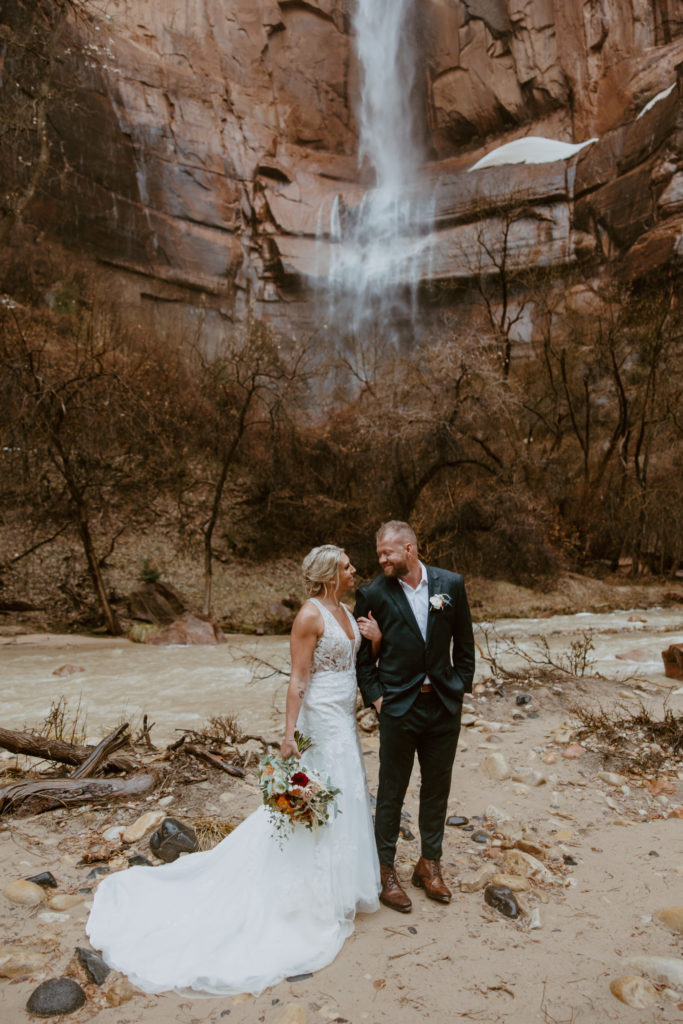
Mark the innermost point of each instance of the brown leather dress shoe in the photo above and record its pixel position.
(392, 894)
(427, 876)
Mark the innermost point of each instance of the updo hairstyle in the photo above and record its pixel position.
(321, 566)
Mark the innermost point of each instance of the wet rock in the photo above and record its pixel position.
(672, 917)
(480, 879)
(406, 833)
(663, 970)
(93, 963)
(143, 825)
(28, 894)
(96, 872)
(68, 670)
(171, 839)
(56, 996)
(120, 991)
(496, 767)
(457, 820)
(502, 899)
(522, 699)
(138, 860)
(633, 990)
(533, 714)
(46, 880)
(480, 837)
(64, 901)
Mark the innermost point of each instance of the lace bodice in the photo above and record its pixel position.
(334, 651)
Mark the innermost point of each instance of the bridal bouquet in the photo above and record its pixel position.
(293, 794)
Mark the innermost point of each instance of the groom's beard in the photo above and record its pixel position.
(396, 570)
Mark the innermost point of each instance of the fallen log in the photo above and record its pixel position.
(217, 762)
(105, 747)
(37, 796)
(49, 749)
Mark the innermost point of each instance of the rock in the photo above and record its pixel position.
(672, 917)
(56, 996)
(515, 883)
(28, 894)
(612, 778)
(278, 618)
(550, 758)
(527, 846)
(141, 632)
(187, 630)
(521, 863)
(120, 991)
(495, 815)
(138, 860)
(468, 719)
(535, 919)
(113, 833)
(633, 990)
(68, 670)
(94, 964)
(530, 777)
(143, 824)
(99, 870)
(65, 901)
(522, 699)
(293, 1014)
(502, 899)
(663, 970)
(15, 961)
(496, 767)
(569, 860)
(480, 878)
(480, 837)
(636, 654)
(574, 750)
(673, 661)
(457, 820)
(172, 839)
(368, 721)
(45, 879)
(156, 602)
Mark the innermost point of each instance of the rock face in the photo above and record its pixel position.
(203, 145)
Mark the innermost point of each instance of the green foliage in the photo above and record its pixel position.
(149, 573)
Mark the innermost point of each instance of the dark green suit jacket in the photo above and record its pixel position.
(447, 656)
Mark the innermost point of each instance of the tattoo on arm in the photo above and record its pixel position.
(302, 692)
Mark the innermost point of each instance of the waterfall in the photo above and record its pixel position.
(378, 248)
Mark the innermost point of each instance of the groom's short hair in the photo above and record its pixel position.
(396, 526)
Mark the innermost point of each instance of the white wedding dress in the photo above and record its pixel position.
(248, 913)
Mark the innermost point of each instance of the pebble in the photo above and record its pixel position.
(457, 820)
(45, 879)
(143, 825)
(480, 837)
(612, 778)
(503, 899)
(633, 990)
(573, 750)
(520, 789)
(672, 917)
(120, 991)
(664, 970)
(468, 719)
(64, 901)
(28, 894)
(293, 1014)
(535, 919)
(533, 714)
(531, 777)
(138, 860)
(113, 832)
(15, 961)
(522, 699)
(165, 800)
(550, 759)
(56, 996)
(494, 814)
(99, 870)
(496, 767)
(94, 964)
(569, 860)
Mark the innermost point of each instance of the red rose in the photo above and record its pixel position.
(300, 779)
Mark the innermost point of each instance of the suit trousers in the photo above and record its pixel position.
(430, 731)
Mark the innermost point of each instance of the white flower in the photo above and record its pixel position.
(439, 601)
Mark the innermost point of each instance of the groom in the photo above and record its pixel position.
(426, 664)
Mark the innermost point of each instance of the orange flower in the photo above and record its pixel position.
(267, 771)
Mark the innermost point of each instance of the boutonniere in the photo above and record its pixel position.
(439, 601)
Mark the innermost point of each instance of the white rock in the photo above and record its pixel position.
(495, 814)
(666, 970)
(65, 901)
(496, 767)
(633, 990)
(143, 825)
(468, 719)
(113, 832)
(165, 801)
(535, 919)
(26, 893)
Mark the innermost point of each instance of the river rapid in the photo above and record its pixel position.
(115, 680)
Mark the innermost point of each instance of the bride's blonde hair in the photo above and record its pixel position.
(321, 566)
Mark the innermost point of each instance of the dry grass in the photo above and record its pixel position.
(210, 831)
(634, 740)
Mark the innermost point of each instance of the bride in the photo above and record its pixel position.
(246, 914)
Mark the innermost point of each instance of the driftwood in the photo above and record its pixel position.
(217, 762)
(37, 796)
(50, 749)
(105, 747)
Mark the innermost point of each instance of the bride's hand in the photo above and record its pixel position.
(288, 748)
(369, 629)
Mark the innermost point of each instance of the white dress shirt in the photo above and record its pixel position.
(418, 599)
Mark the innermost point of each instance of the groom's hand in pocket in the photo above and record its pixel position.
(377, 704)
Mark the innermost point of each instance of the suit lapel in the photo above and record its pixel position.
(400, 602)
(433, 581)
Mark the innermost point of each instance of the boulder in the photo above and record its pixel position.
(189, 628)
(158, 603)
(171, 839)
(673, 661)
(56, 996)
